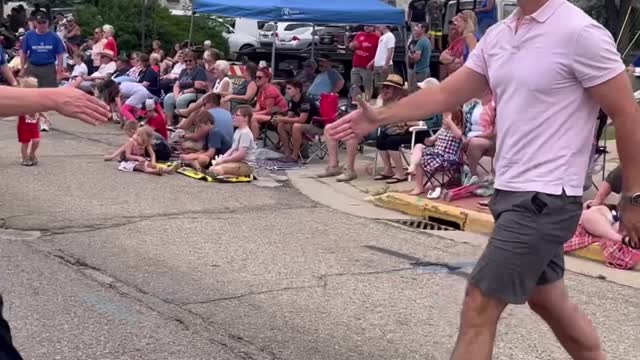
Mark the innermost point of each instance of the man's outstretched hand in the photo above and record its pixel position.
(78, 105)
(357, 124)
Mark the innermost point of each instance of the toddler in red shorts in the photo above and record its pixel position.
(29, 129)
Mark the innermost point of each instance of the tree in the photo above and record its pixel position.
(54, 3)
(126, 16)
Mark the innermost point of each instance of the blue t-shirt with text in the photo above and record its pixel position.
(42, 49)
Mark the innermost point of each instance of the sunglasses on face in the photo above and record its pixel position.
(259, 77)
(238, 115)
(188, 61)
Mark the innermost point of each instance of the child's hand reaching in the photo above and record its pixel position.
(430, 141)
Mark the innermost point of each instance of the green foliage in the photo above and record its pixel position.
(129, 16)
(53, 3)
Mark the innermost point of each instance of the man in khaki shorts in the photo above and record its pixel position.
(364, 46)
(545, 126)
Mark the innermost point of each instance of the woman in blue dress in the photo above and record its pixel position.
(487, 15)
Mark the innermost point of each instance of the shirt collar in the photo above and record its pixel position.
(542, 15)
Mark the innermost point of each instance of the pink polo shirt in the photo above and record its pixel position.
(545, 119)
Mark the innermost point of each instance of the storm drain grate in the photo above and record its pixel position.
(425, 224)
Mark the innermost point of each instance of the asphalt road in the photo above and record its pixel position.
(100, 264)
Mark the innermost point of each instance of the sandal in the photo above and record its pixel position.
(382, 177)
(633, 245)
(395, 180)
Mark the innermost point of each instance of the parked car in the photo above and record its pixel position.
(240, 42)
(271, 31)
(297, 39)
(248, 26)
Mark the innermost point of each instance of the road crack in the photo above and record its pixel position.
(236, 345)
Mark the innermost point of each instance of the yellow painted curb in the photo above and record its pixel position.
(467, 220)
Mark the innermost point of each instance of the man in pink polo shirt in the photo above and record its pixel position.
(550, 66)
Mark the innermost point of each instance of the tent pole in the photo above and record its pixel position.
(191, 28)
(405, 68)
(624, 24)
(273, 52)
(313, 42)
(631, 44)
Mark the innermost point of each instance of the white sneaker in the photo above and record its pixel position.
(44, 126)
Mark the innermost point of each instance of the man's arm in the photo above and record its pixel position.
(65, 100)
(389, 58)
(23, 61)
(60, 63)
(454, 91)
(338, 82)
(615, 96)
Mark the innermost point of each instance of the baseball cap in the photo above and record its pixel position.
(40, 16)
(149, 104)
(310, 63)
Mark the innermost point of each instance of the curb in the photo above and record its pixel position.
(464, 219)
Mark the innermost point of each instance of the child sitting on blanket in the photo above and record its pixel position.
(215, 144)
(240, 159)
(159, 144)
(135, 149)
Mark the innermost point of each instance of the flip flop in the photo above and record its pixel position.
(395, 180)
(434, 194)
(382, 177)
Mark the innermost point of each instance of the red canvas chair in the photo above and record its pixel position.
(329, 110)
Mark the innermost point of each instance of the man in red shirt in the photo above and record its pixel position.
(364, 47)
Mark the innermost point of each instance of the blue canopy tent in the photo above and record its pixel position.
(361, 12)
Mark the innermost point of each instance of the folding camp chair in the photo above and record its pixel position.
(598, 159)
(431, 126)
(314, 145)
(448, 175)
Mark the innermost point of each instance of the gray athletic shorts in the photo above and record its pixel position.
(526, 248)
(46, 75)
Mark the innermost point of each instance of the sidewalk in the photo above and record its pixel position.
(376, 199)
